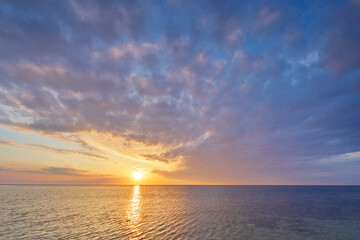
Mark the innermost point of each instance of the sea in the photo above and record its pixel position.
(179, 212)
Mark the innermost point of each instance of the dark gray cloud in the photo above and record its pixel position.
(239, 91)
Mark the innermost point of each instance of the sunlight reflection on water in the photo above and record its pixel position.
(134, 214)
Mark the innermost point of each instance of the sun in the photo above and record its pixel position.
(137, 175)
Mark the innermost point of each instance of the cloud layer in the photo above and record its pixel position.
(233, 92)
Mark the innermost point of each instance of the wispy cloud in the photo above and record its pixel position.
(56, 175)
(50, 170)
(51, 149)
(64, 171)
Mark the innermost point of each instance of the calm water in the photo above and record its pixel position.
(179, 212)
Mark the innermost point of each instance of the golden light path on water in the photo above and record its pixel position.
(134, 214)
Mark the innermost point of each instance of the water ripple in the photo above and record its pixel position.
(179, 212)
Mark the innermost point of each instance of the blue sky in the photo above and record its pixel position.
(205, 92)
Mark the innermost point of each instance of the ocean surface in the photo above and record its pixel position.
(179, 212)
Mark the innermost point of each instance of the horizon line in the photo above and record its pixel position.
(79, 184)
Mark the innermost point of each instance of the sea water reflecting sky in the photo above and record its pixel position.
(179, 212)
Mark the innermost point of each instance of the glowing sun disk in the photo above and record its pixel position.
(137, 176)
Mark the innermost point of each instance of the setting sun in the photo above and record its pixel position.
(137, 176)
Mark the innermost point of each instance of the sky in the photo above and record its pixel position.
(184, 92)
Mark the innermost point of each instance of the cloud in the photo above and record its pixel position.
(265, 17)
(56, 175)
(165, 157)
(341, 35)
(50, 170)
(90, 153)
(19, 170)
(154, 157)
(64, 171)
(235, 92)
